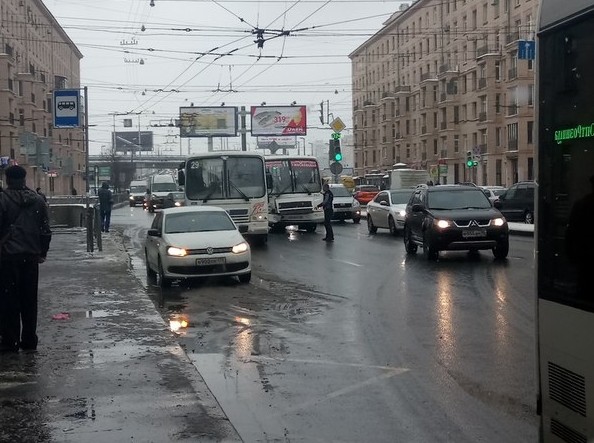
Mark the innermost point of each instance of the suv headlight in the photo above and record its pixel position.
(356, 203)
(498, 221)
(442, 224)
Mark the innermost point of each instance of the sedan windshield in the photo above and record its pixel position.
(463, 199)
(400, 197)
(198, 222)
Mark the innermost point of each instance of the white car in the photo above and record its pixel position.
(493, 192)
(387, 210)
(195, 241)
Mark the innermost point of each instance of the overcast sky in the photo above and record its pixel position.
(154, 60)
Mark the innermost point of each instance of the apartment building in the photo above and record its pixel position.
(37, 57)
(443, 78)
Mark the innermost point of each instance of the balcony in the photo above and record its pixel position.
(482, 83)
(398, 135)
(444, 68)
(402, 89)
(512, 37)
(482, 117)
(512, 110)
(427, 76)
(512, 145)
(512, 73)
(387, 95)
(483, 148)
(368, 103)
(482, 51)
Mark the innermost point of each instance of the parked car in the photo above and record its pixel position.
(517, 203)
(345, 206)
(364, 193)
(387, 210)
(454, 217)
(493, 192)
(195, 241)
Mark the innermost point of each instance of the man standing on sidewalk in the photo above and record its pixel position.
(105, 204)
(25, 236)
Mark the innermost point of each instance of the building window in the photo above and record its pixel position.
(498, 173)
(530, 132)
(530, 168)
(497, 71)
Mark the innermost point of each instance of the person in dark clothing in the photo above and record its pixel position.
(328, 212)
(105, 204)
(25, 237)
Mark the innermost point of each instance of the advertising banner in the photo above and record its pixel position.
(279, 120)
(128, 140)
(220, 121)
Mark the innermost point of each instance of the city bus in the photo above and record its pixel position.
(295, 192)
(564, 229)
(233, 180)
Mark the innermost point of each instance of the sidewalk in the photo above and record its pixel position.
(107, 368)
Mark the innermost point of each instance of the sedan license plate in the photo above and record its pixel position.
(474, 233)
(210, 261)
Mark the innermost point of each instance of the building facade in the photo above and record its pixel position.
(36, 58)
(445, 78)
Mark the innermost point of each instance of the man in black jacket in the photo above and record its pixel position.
(105, 204)
(25, 236)
(328, 212)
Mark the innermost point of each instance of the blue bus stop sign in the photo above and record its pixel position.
(67, 108)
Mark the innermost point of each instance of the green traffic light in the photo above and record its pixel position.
(469, 163)
(338, 157)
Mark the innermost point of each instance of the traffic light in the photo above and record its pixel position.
(337, 151)
(322, 112)
(469, 160)
(331, 150)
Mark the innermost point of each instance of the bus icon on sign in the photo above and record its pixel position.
(66, 105)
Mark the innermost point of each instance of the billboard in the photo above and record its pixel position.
(199, 121)
(128, 140)
(278, 120)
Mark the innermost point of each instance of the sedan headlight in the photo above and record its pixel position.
(131, 197)
(176, 252)
(442, 224)
(498, 221)
(177, 204)
(403, 213)
(356, 203)
(238, 249)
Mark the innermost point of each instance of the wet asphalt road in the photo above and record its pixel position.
(356, 341)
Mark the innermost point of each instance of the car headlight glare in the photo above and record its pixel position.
(177, 204)
(131, 197)
(442, 224)
(176, 252)
(241, 247)
(498, 221)
(402, 213)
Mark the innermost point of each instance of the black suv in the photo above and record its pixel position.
(453, 217)
(517, 203)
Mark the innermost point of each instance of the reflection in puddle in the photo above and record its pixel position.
(244, 341)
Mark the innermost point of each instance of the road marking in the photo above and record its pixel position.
(343, 391)
(324, 362)
(349, 263)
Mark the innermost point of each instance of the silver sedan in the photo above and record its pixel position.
(387, 210)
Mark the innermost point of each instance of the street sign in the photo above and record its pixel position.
(66, 108)
(337, 125)
(526, 49)
(336, 168)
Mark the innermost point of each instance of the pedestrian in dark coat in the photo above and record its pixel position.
(328, 212)
(105, 204)
(25, 237)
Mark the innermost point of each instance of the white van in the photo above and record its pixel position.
(159, 186)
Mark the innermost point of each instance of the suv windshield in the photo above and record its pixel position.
(458, 199)
(340, 191)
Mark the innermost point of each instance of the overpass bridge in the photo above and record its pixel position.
(120, 170)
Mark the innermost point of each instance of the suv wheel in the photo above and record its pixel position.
(370, 226)
(430, 252)
(528, 218)
(411, 248)
(501, 250)
(356, 220)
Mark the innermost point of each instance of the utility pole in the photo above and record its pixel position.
(243, 130)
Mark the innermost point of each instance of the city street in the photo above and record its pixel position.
(356, 341)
